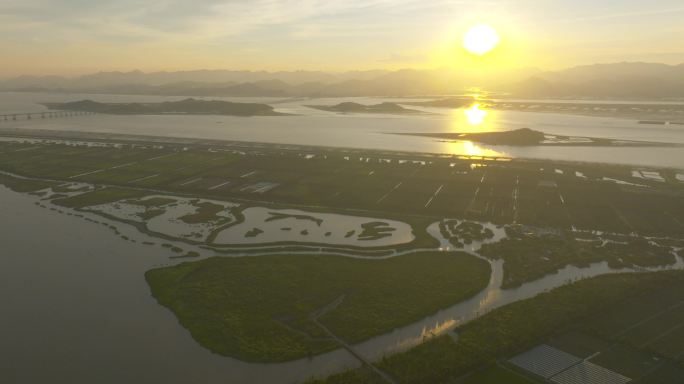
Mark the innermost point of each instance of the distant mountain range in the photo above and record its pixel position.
(618, 80)
(621, 80)
(231, 83)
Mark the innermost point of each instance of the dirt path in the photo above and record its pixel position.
(333, 305)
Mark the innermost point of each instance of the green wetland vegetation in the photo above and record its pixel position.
(19, 185)
(277, 308)
(460, 233)
(98, 196)
(530, 256)
(517, 327)
(262, 308)
(206, 212)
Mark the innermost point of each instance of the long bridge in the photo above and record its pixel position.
(41, 115)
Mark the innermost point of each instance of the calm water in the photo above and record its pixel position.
(76, 309)
(313, 127)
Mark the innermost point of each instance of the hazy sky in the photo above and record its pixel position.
(77, 36)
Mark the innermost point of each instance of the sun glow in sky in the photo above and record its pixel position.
(78, 36)
(481, 39)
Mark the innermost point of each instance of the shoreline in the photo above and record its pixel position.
(120, 138)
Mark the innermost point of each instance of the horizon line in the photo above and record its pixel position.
(447, 68)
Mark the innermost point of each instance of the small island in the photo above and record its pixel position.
(529, 137)
(187, 107)
(350, 107)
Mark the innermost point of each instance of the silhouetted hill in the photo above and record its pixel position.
(187, 106)
(621, 80)
(109, 79)
(529, 137)
(518, 137)
(349, 107)
(449, 102)
(406, 82)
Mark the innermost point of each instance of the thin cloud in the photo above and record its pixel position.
(627, 14)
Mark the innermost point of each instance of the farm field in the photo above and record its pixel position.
(564, 196)
(638, 337)
(549, 317)
(498, 375)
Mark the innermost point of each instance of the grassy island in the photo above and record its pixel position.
(270, 308)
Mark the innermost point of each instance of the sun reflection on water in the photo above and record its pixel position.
(468, 148)
(475, 114)
(474, 119)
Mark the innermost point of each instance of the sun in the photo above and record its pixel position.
(480, 39)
